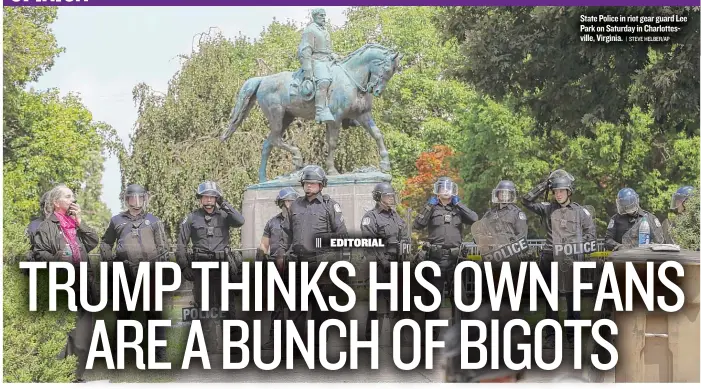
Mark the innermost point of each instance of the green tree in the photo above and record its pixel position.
(535, 55)
(29, 50)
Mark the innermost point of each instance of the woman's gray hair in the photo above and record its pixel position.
(52, 196)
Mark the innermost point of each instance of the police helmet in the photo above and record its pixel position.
(135, 196)
(313, 173)
(562, 182)
(453, 350)
(504, 193)
(560, 173)
(208, 188)
(284, 195)
(681, 195)
(445, 184)
(383, 190)
(627, 201)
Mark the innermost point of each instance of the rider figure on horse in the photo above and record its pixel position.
(316, 55)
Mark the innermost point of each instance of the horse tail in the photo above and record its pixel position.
(244, 103)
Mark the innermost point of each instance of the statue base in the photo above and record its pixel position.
(353, 192)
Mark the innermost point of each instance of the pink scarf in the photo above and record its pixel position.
(69, 228)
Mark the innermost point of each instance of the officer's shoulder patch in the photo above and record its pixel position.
(184, 220)
(366, 221)
(611, 223)
(657, 222)
(586, 211)
(337, 207)
(147, 222)
(522, 216)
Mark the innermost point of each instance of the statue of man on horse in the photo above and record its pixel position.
(327, 88)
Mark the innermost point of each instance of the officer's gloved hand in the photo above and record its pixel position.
(454, 200)
(433, 200)
(188, 274)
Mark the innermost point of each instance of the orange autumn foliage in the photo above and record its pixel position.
(431, 165)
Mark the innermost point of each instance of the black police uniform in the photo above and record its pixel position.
(139, 239)
(276, 236)
(384, 223)
(445, 232)
(544, 210)
(620, 224)
(308, 219)
(512, 216)
(209, 234)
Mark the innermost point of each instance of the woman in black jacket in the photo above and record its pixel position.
(63, 236)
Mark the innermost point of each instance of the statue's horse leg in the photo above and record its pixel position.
(279, 121)
(369, 125)
(333, 130)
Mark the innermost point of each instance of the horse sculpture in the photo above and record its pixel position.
(356, 79)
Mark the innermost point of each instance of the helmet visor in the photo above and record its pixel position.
(677, 200)
(561, 173)
(626, 206)
(503, 196)
(208, 189)
(445, 188)
(136, 200)
(289, 196)
(389, 199)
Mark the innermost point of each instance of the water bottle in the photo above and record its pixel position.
(644, 232)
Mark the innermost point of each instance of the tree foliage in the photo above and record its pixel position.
(430, 165)
(29, 50)
(535, 55)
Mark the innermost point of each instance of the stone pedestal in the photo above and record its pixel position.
(353, 191)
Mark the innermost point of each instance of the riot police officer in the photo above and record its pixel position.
(677, 207)
(504, 208)
(679, 198)
(312, 216)
(444, 216)
(208, 230)
(384, 222)
(502, 225)
(139, 237)
(629, 216)
(270, 243)
(561, 185)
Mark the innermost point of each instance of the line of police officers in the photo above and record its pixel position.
(290, 235)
